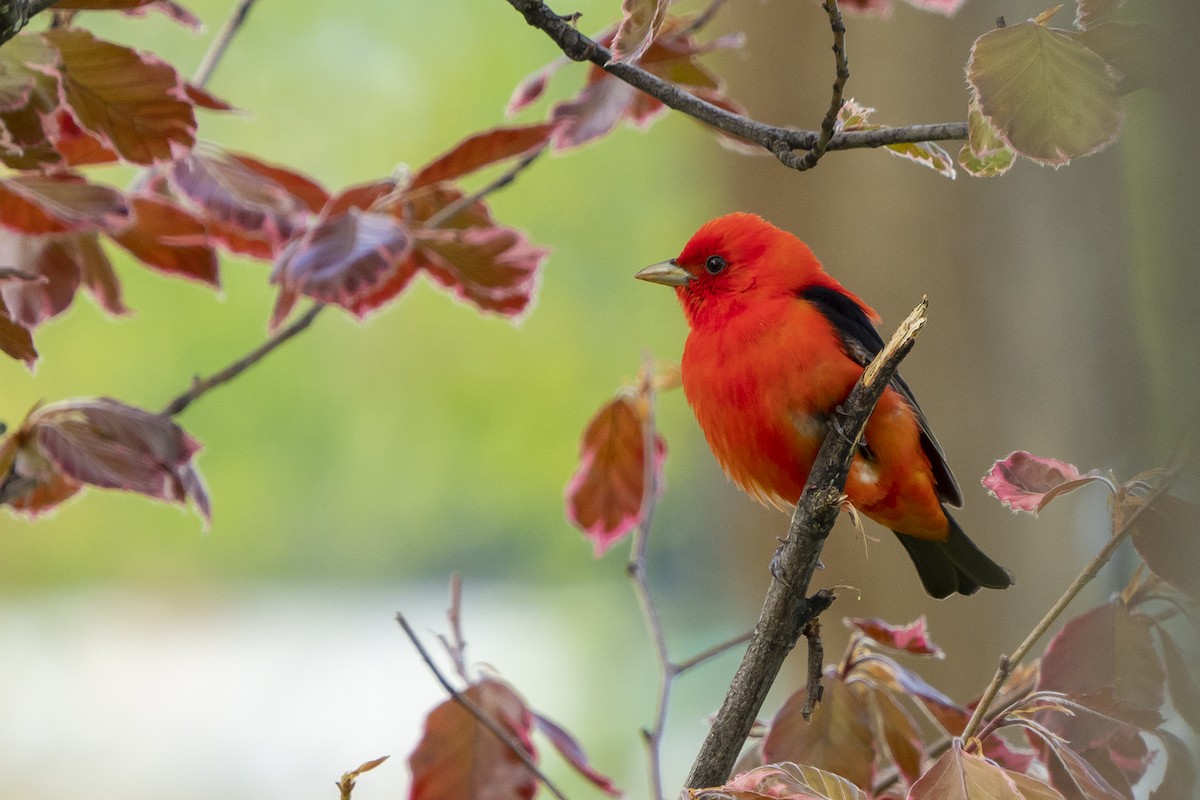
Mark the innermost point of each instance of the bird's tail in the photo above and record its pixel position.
(955, 565)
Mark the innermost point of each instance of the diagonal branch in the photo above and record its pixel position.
(15, 15)
(841, 75)
(786, 610)
(216, 50)
(774, 139)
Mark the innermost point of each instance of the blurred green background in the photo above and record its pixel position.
(352, 471)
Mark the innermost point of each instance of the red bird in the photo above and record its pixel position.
(775, 346)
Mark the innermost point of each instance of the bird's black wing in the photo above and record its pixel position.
(862, 343)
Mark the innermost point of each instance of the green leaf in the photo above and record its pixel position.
(1048, 97)
(984, 155)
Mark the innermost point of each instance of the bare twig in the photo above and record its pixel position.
(1122, 528)
(216, 50)
(201, 386)
(637, 573)
(478, 713)
(451, 210)
(775, 139)
(841, 75)
(786, 610)
(455, 644)
(711, 652)
(816, 656)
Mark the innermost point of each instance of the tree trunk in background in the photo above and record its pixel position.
(1035, 285)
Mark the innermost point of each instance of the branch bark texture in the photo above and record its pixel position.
(15, 15)
(787, 610)
(775, 139)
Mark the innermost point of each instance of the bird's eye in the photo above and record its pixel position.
(715, 264)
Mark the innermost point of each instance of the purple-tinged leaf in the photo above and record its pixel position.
(569, 748)
(1026, 482)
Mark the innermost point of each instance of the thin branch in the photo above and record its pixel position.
(841, 75)
(451, 210)
(1093, 567)
(711, 652)
(455, 644)
(579, 47)
(216, 50)
(478, 713)
(641, 585)
(201, 386)
(816, 656)
(786, 610)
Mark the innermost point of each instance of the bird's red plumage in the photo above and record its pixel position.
(763, 370)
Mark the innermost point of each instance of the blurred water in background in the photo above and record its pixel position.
(274, 691)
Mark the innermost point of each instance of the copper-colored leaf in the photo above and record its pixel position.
(346, 259)
(36, 204)
(363, 196)
(15, 340)
(1167, 536)
(605, 497)
(169, 239)
(911, 638)
(787, 781)
(135, 8)
(1073, 776)
(1105, 657)
(459, 759)
(106, 443)
(900, 733)
(96, 273)
(1049, 97)
(132, 101)
(836, 739)
(641, 21)
(51, 260)
(312, 194)
(569, 748)
(482, 149)
(493, 268)
(958, 775)
(1026, 482)
(77, 146)
(245, 207)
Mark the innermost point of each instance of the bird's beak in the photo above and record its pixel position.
(668, 273)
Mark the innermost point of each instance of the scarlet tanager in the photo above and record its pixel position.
(775, 345)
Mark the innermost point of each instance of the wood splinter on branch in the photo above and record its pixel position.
(787, 611)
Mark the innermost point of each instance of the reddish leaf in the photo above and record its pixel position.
(362, 196)
(534, 86)
(605, 495)
(202, 98)
(877, 7)
(77, 146)
(247, 209)
(346, 260)
(837, 738)
(1105, 658)
(595, 112)
(958, 775)
(169, 239)
(132, 101)
(482, 149)
(641, 21)
(52, 260)
(947, 8)
(303, 188)
(29, 483)
(569, 748)
(493, 268)
(787, 781)
(1072, 775)
(15, 340)
(1166, 536)
(1025, 482)
(104, 443)
(422, 204)
(900, 732)
(911, 638)
(135, 8)
(97, 273)
(36, 204)
(459, 759)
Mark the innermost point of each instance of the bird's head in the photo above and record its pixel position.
(734, 262)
